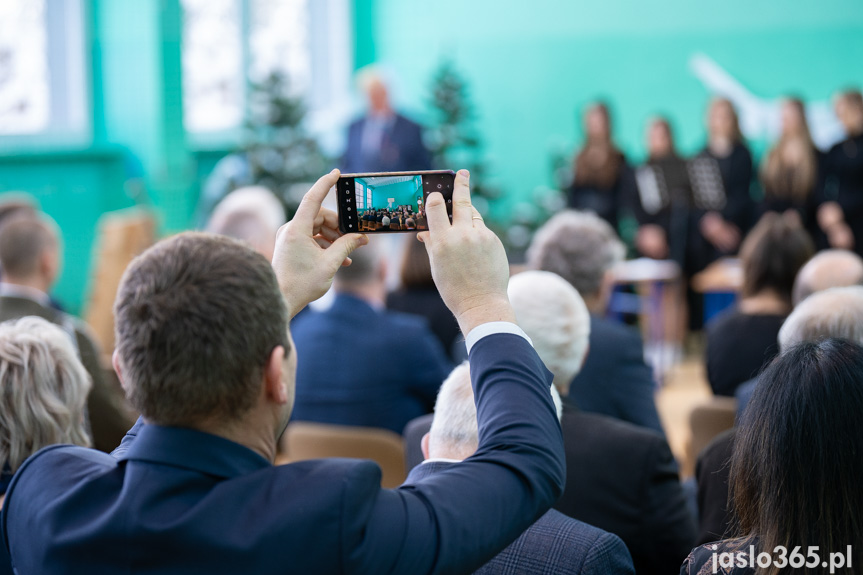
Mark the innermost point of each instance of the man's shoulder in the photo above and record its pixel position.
(609, 436)
(612, 333)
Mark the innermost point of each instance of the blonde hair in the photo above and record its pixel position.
(43, 390)
(785, 180)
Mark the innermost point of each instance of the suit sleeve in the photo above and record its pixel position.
(109, 413)
(456, 520)
(608, 556)
(665, 511)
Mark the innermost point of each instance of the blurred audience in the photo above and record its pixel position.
(718, 232)
(383, 140)
(30, 256)
(743, 338)
(619, 477)
(418, 295)
(603, 183)
(555, 543)
(841, 214)
(791, 171)
(615, 381)
(664, 197)
(359, 364)
(832, 313)
(794, 483)
(252, 214)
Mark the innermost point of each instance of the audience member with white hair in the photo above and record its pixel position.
(582, 248)
(620, 477)
(44, 388)
(555, 543)
(827, 269)
(252, 214)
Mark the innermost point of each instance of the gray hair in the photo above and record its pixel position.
(827, 269)
(454, 429)
(252, 214)
(579, 247)
(44, 390)
(364, 268)
(831, 313)
(23, 240)
(555, 318)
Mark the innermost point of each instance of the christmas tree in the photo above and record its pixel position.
(281, 155)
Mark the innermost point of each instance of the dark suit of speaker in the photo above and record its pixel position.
(179, 501)
(108, 413)
(623, 479)
(401, 148)
(357, 365)
(554, 545)
(615, 381)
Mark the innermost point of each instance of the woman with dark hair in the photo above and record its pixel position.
(790, 173)
(418, 295)
(664, 196)
(840, 215)
(718, 231)
(603, 183)
(741, 339)
(796, 468)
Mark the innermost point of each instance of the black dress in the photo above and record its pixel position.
(736, 171)
(609, 203)
(843, 183)
(738, 346)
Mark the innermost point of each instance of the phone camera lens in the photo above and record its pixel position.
(439, 186)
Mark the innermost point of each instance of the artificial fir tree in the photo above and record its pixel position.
(280, 153)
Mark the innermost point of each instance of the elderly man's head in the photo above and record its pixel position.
(555, 318)
(828, 269)
(253, 215)
(581, 248)
(454, 433)
(831, 313)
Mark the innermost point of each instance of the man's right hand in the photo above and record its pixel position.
(468, 262)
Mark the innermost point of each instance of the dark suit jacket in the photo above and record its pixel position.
(402, 149)
(712, 470)
(554, 545)
(174, 500)
(109, 414)
(623, 479)
(426, 302)
(615, 381)
(360, 366)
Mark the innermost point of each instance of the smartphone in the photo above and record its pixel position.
(390, 201)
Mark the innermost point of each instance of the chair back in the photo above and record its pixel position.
(708, 420)
(308, 440)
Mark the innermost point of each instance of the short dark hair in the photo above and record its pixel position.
(796, 464)
(772, 254)
(23, 239)
(196, 319)
(416, 268)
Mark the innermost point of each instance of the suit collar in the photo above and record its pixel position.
(24, 292)
(429, 467)
(193, 450)
(346, 300)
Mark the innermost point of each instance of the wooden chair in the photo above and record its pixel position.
(121, 236)
(306, 440)
(708, 420)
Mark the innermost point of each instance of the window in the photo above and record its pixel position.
(227, 43)
(42, 73)
(360, 196)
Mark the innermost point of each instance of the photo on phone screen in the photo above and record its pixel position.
(393, 202)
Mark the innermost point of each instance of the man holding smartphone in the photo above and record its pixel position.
(204, 353)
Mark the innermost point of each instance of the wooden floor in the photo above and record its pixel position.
(685, 387)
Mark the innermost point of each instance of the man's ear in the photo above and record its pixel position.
(584, 359)
(424, 445)
(118, 368)
(276, 389)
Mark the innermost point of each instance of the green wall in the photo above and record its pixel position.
(533, 66)
(404, 193)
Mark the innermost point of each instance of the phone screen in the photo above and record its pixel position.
(390, 202)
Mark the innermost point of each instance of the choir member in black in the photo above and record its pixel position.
(603, 182)
(664, 196)
(790, 172)
(718, 232)
(840, 215)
